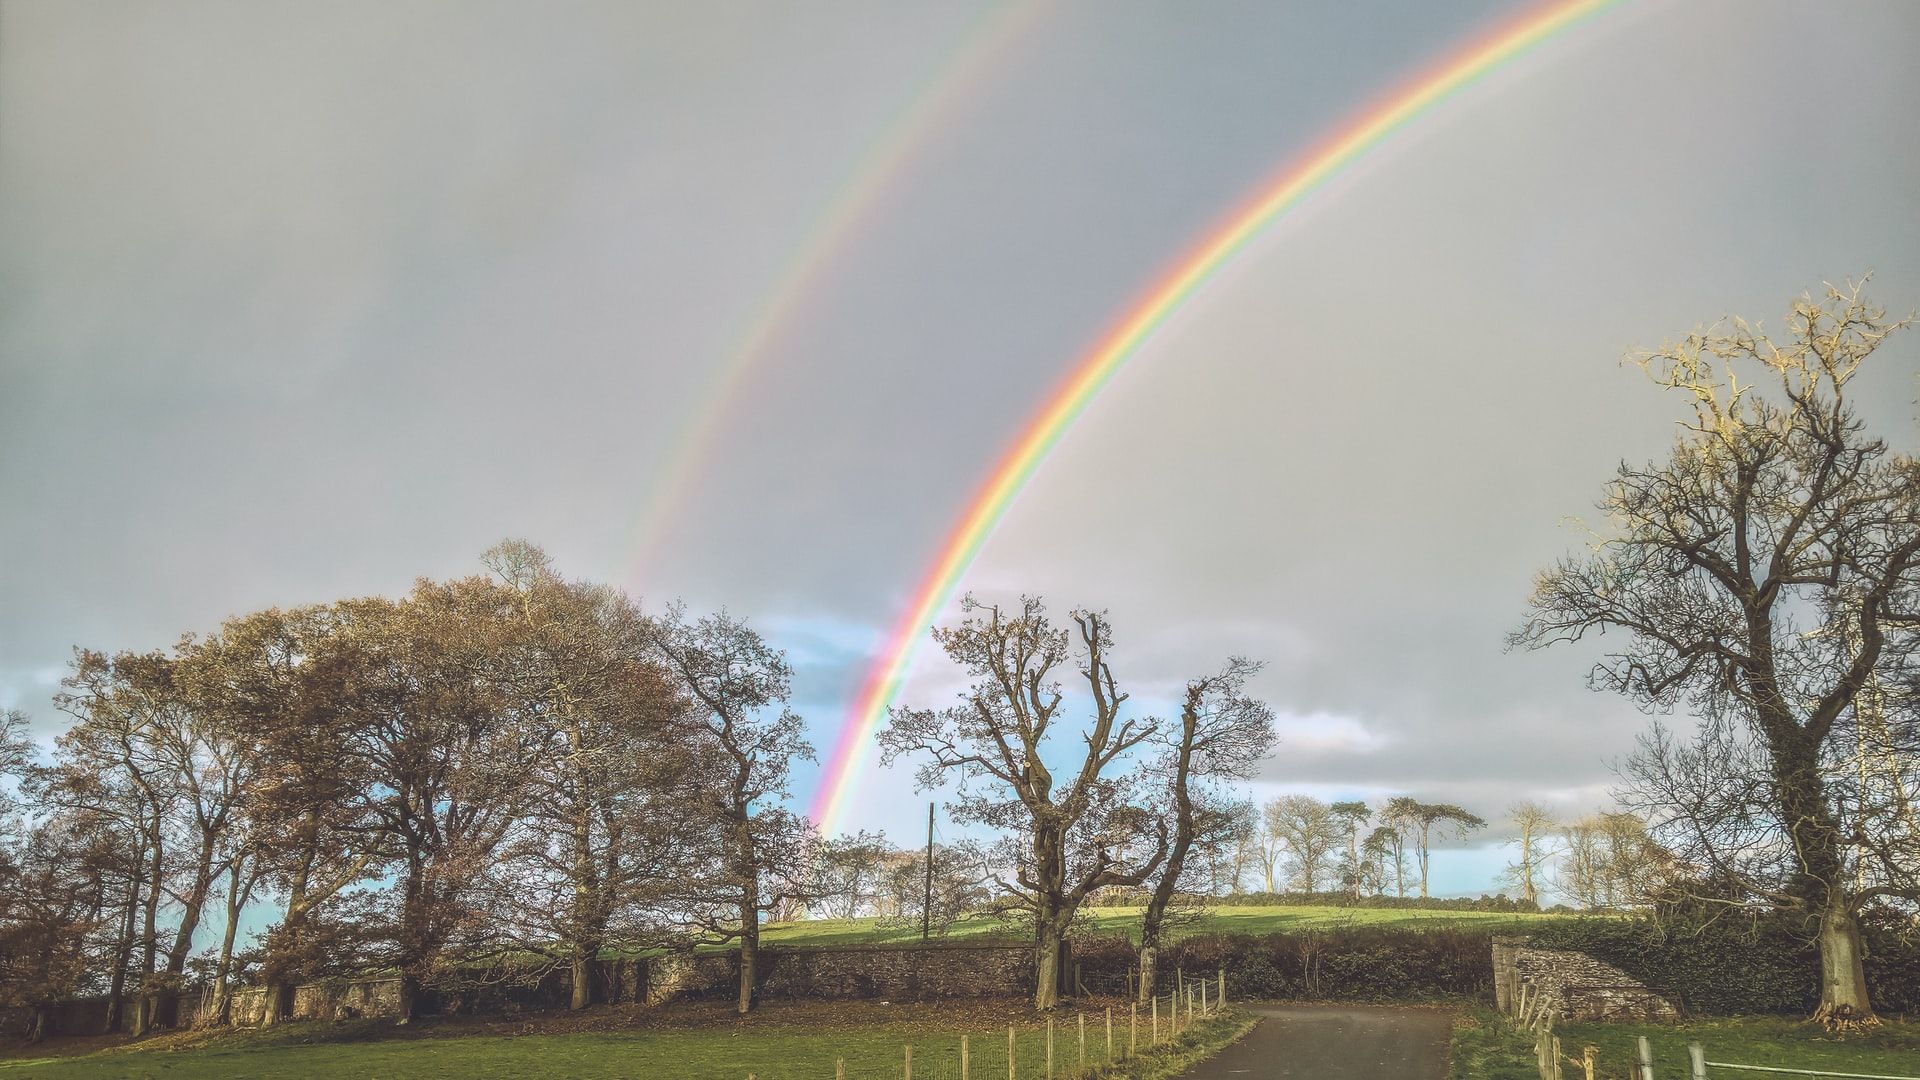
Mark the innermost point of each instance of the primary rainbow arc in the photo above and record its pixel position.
(1137, 324)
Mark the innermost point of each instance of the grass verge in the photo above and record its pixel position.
(1194, 1046)
(1486, 1046)
(788, 1041)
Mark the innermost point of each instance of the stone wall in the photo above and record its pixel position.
(903, 974)
(1574, 985)
(911, 974)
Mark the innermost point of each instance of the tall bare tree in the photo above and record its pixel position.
(1532, 823)
(1222, 734)
(1076, 833)
(1763, 575)
(1309, 831)
(1401, 820)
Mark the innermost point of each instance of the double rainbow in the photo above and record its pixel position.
(1016, 465)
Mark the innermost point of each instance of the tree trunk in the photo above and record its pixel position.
(279, 1001)
(1148, 954)
(748, 869)
(122, 956)
(583, 957)
(221, 1012)
(1046, 987)
(167, 1007)
(749, 959)
(1843, 974)
(144, 1003)
(409, 996)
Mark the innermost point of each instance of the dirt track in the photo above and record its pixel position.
(1336, 1043)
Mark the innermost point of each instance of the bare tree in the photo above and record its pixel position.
(849, 872)
(1401, 820)
(1763, 575)
(1532, 824)
(1310, 831)
(960, 884)
(1074, 834)
(1222, 734)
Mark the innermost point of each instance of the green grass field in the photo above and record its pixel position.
(1487, 1048)
(1126, 920)
(783, 1043)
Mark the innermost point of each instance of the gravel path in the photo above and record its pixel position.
(1328, 1042)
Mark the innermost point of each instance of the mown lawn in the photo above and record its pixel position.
(1126, 920)
(1486, 1047)
(800, 1043)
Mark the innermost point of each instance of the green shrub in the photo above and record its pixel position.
(1741, 965)
(1362, 963)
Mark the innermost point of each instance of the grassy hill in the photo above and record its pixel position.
(1126, 921)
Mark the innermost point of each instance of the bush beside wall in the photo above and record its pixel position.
(1340, 964)
(1740, 965)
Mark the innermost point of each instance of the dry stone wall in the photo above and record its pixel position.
(905, 974)
(1574, 985)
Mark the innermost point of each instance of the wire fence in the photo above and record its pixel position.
(1070, 1046)
(1535, 1014)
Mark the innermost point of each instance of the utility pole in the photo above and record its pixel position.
(926, 908)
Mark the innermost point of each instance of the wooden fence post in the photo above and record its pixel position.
(1082, 1063)
(1222, 996)
(1554, 1040)
(1203, 997)
(1109, 1034)
(1133, 1028)
(1012, 1055)
(1588, 1062)
(1697, 1058)
(1049, 1048)
(963, 1057)
(1153, 1035)
(839, 1069)
(1645, 1063)
(909, 1064)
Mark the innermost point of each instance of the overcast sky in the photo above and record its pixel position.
(301, 301)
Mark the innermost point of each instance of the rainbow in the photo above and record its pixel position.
(986, 43)
(1285, 191)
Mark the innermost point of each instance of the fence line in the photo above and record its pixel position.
(1034, 1053)
(1697, 1059)
(1532, 1013)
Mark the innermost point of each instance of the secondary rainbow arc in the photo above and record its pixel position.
(832, 232)
(1137, 323)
